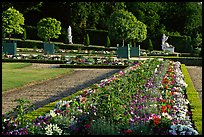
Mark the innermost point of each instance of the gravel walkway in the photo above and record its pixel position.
(195, 73)
(54, 89)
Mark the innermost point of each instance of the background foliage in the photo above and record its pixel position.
(175, 18)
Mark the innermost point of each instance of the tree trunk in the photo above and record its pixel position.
(9, 36)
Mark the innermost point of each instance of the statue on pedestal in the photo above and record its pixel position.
(69, 35)
(165, 45)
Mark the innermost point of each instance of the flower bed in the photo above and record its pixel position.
(145, 99)
(70, 60)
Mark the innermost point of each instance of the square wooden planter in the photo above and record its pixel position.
(9, 48)
(49, 48)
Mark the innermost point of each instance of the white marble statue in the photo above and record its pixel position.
(165, 45)
(69, 30)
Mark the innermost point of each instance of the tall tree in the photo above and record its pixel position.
(49, 28)
(125, 26)
(12, 21)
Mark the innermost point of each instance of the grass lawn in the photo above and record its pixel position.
(18, 74)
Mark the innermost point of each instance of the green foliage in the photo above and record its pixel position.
(21, 110)
(12, 21)
(150, 46)
(102, 126)
(49, 28)
(195, 103)
(182, 44)
(98, 37)
(123, 25)
(108, 43)
(86, 40)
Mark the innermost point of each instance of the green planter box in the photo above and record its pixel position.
(49, 48)
(127, 52)
(123, 52)
(135, 51)
(9, 47)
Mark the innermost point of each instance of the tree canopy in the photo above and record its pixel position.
(123, 25)
(12, 21)
(180, 18)
(49, 28)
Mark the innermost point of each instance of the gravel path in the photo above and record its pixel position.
(54, 89)
(195, 73)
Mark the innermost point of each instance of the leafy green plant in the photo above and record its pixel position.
(86, 40)
(102, 126)
(21, 109)
(108, 43)
(12, 21)
(150, 46)
(48, 28)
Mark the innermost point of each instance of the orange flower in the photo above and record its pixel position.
(163, 100)
(168, 106)
(171, 93)
(156, 120)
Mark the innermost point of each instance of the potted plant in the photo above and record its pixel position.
(12, 21)
(49, 28)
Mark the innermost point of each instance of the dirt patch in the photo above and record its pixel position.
(195, 73)
(54, 89)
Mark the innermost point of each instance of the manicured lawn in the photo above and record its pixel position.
(18, 74)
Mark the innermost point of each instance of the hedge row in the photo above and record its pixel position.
(39, 44)
(101, 66)
(188, 61)
(35, 61)
(195, 102)
(66, 65)
(97, 37)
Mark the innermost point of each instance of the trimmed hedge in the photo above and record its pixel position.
(97, 37)
(195, 102)
(39, 44)
(94, 66)
(182, 44)
(35, 61)
(188, 61)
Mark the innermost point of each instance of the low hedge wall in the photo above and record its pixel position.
(35, 61)
(101, 66)
(188, 61)
(195, 102)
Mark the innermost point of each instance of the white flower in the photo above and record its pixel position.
(57, 129)
(52, 113)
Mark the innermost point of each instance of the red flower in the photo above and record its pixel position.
(128, 131)
(164, 109)
(87, 125)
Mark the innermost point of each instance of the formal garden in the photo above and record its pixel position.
(149, 93)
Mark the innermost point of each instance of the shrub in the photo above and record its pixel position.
(108, 41)
(101, 36)
(48, 28)
(86, 40)
(12, 20)
(150, 46)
